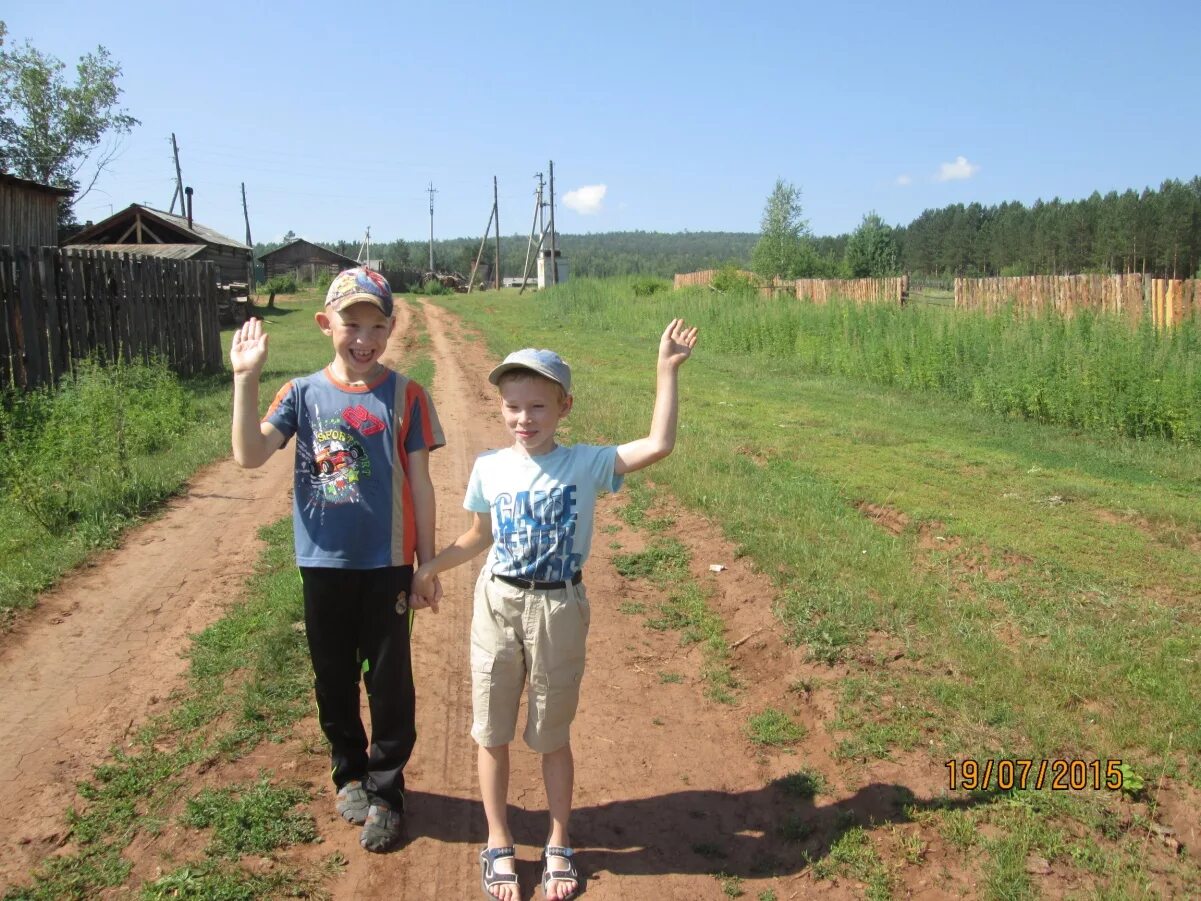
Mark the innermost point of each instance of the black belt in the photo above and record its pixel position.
(534, 584)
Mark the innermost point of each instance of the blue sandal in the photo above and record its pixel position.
(568, 873)
(488, 875)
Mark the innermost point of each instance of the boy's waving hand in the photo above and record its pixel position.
(676, 344)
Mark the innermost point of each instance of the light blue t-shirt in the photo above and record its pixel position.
(542, 507)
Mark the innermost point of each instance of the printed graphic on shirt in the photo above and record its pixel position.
(535, 532)
(337, 465)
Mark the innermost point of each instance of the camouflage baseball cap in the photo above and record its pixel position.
(359, 285)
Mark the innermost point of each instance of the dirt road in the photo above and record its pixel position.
(669, 791)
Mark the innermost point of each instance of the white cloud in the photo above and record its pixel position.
(957, 170)
(585, 200)
(904, 180)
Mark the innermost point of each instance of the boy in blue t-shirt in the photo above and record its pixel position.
(363, 508)
(533, 505)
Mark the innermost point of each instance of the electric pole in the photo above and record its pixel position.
(432, 191)
(496, 214)
(535, 224)
(178, 195)
(554, 244)
(365, 247)
(246, 215)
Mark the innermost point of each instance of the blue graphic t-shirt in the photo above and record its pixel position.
(542, 507)
(352, 504)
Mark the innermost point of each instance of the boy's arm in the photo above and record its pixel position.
(253, 441)
(675, 346)
(425, 514)
(476, 539)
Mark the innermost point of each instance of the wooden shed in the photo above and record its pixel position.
(304, 259)
(141, 229)
(29, 212)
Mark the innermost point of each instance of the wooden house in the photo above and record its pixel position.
(305, 260)
(141, 229)
(29, 212)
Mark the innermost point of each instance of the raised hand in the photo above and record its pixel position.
(675, 346)
(248, 351)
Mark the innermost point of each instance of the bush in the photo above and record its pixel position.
(435, 287)
(729, 279)
(321, 282)
(280, 284)
(69, 452)
(646, 286)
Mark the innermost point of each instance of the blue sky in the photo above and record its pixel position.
(661, 116)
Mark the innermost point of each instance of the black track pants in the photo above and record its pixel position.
(356, 628)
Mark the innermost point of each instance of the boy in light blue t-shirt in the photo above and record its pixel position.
(533, 506)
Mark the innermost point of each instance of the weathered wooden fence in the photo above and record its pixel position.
(1165, 301)
(860, 290)
(58, 306)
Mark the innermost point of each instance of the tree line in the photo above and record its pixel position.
(1153, 231)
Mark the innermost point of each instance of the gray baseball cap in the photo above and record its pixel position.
(544, 362)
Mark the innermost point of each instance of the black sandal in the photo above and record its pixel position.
(569, 873)
(488, 875)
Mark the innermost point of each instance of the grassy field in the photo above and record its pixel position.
(1040, 580)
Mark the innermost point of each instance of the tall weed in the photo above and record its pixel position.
(1092, 372)
(70, 454)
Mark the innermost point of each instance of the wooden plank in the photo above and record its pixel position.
(8, 313)
(49, 273)
(76, 311)
(32, 357)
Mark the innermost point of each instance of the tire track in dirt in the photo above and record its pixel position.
(668, 790)
(443, 816)
(103, 650)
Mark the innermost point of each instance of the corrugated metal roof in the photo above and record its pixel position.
(166, 251)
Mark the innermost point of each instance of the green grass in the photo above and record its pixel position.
(774, 728)
(1040, 590)
(250, 819)
(801, 784)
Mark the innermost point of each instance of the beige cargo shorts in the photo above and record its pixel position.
(523, 637)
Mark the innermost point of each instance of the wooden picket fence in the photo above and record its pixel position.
(1166, 301)
(58, 306)
(818, 290)
(860, 290)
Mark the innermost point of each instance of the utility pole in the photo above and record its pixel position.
(525, 270)
(496, 215)
(246, 216)
(178, 180)
(365, 247)
(432, 191)
(541, 206)
(554, 244)
(493, 216)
